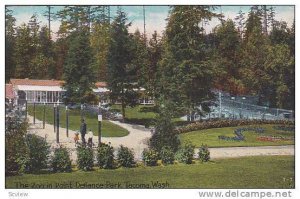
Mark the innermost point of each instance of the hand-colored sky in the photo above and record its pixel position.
(155, 15)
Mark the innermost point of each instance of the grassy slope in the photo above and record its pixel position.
(210, 137)
(108, 129)
(248, 172)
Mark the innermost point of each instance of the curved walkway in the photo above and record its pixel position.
(137, 141)
(235, 152)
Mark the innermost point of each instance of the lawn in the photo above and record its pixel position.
(108, 129)
(248, 172)
(210, 137)
(141, 114)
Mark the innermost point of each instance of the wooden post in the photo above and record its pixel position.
(99, 125)
(44, 115)
(57, 123)
(33, 112)
(67, 121)
(54, 117)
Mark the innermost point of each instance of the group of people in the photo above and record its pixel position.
(83, 130)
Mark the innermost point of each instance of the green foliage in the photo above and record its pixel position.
(229, 123)
(185, 154)
(186, 73)
(38, 153)
(125, 157)
(121, 72)
(165, 134)
(204, 154)
(16, 150)
(150, 157)
(105, 156)
(78, 69)
(60, 161)
(85, 158)
(167, 155)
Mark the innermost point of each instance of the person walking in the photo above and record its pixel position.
(83, 131)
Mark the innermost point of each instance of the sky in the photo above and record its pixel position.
(155, 16)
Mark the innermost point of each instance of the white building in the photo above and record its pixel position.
(38, 91)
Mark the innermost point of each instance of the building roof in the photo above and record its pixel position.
(36, 82)
(9, 93)
(100, 84)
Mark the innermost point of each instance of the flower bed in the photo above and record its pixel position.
(284, 128)
(239, 134)
(228, 123)
(273, 138)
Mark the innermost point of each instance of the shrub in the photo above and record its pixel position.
(16, 150)
(105, 156)
(204, 154)
(85, 158)
(164, 134)
(228, 123)
(125, 157)
(167, 155)
(38, 155)
(185, 154)
(150, 157)
(61, 160)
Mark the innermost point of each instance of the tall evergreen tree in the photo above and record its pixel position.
(186, 72)
(10, 44)
(121, 74)
(227, 60)
(78, 69)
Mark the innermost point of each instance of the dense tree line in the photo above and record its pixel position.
(253, 54)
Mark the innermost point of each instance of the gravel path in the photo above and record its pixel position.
(137, 141)
(230, 152)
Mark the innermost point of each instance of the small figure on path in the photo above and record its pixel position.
(90, 138)
(83, 130)
(76, 138)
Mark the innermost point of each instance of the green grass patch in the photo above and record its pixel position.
(210, 137)
(108, 129)
(248, 172)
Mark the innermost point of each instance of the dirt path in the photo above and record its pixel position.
(234, 152)
(138, 137)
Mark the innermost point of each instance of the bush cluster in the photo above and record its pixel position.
(204, 154)
(125, 157)
(105, 156)
(186, 153)
(61, 161)
(228, 123)
(38, 153)
(167, 155)
(85, 158)
(16, 150)
(150, 157)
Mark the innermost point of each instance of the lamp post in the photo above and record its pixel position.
(220, 105)
(26, 108)
(67, 121)
(57, 122)
(99, 124)
(44, 115)
(34, 112)
(54, 117)
(233, 98)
